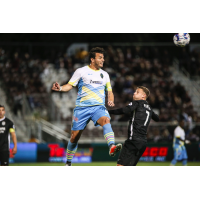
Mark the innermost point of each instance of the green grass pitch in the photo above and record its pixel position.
(104, 164)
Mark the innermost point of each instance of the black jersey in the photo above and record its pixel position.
(140, 115)
(6, 126)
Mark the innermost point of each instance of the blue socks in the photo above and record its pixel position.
(71, 150)
(108, 134)
(184, 162)
(174, 161)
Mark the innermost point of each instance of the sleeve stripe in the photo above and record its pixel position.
(108, 86)
(72, 83)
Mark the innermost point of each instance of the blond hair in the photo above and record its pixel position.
(145, 90)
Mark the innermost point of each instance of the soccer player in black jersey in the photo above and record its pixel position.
(140, 115)
(6, 128)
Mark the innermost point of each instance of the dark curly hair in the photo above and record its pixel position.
(95, 50)
(1, 106)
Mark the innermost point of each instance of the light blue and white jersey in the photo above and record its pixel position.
(178, 133)
(92, 86)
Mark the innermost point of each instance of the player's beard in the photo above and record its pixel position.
(97, 65)
(2, 115)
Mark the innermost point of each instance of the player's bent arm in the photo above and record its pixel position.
(178, 137)
(110, 96)
(14, 139)
(66, 88)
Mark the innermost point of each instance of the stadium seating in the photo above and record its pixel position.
(128, 68)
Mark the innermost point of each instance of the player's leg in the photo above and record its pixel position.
(81, 117)
(184, 162)
(185, 157)
(174, 161)
(4, 158)
(124, 156)
(0, 157)
(107, 130)
(72, 145)
(101, 117)
(137, 148)
(130, 153)
(109, 135)
(139, 154)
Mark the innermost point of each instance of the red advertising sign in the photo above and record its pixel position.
(56, 150)
(155, 151)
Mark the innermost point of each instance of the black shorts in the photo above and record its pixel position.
(4, 158)
(131, 152)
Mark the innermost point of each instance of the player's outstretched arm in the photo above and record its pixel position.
(120, 111)
(110, 99)
(155, 117)
(125, 110)
(14, 139)
(116, 111)
(65, 88)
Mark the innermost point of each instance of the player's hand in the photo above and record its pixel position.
(56, 86)
(14, 150)
(187, 142)
(111, 103)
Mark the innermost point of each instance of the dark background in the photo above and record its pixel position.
(91, 37)
(51, 45)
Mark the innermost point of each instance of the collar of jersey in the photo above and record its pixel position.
(181, 128)
(93, 69)
(2, 119)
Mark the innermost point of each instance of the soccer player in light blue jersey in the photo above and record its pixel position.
(180, 153)
(92, 83)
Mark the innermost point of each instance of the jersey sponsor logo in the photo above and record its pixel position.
(3, 123)
(75, 118)
(89, 74)
(101, 75)
(96, 82)
(2, 129)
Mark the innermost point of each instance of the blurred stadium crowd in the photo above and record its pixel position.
(128, 68)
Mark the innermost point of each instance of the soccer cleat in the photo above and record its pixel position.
(114, 149)
(68, 164)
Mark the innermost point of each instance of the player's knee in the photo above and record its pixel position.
(106, 120)
(73, 138)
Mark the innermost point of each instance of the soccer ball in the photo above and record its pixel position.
(181, 39)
